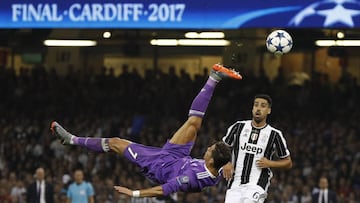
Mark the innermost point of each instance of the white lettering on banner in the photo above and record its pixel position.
(74, 8)
(109, 12)
(165, 12)
(41, 12)
(106, 12)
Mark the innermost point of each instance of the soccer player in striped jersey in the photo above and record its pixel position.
(170, 166)
(254, 143)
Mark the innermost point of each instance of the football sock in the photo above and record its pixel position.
(94, 144)
(201, 101)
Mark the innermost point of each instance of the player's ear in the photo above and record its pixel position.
(269, 111)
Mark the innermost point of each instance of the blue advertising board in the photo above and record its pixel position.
(181, 14)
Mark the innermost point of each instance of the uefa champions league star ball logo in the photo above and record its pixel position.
(330, 12)
(321, 13)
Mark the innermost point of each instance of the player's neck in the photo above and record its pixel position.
(211, 170)
(214, 172)
(258, 125)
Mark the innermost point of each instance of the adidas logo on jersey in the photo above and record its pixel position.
(251, 148)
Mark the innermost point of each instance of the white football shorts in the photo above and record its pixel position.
(245, 194)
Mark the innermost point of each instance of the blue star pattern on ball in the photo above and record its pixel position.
(280, 35)
(279, 48)
(290, 43)
(279, 42)
(268, 41)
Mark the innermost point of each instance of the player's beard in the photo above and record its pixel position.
(258, 119)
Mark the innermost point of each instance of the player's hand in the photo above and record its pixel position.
(263, 163)
(123, 190)
(228, 171)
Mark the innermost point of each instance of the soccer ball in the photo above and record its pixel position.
(279, 42)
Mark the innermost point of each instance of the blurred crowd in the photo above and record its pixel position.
(319, 120)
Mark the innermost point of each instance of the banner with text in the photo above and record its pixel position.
(181, 14)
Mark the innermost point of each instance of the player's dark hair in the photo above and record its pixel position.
(221, 154)
(264, 96)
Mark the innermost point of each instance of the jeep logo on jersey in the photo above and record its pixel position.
(251, 148)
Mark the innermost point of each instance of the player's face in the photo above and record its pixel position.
(323, 183)
(40, 174)
(208, 153)
(78, 176)
(260, 110)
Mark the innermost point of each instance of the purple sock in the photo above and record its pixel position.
(201, 101)
(94, 144)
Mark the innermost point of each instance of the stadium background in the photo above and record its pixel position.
(128, 88)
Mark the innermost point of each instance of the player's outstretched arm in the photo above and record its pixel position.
(150, 192)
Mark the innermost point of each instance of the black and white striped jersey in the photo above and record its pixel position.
(250, 144)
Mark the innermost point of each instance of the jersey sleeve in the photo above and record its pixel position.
(90, 189)
(179, 183)
(281, 146)
(174, 185)
(230, 134)
(69, 192)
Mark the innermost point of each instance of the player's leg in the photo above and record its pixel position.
(187, 132)
(94, 144)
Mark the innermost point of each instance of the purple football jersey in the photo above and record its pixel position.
(172, 167)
